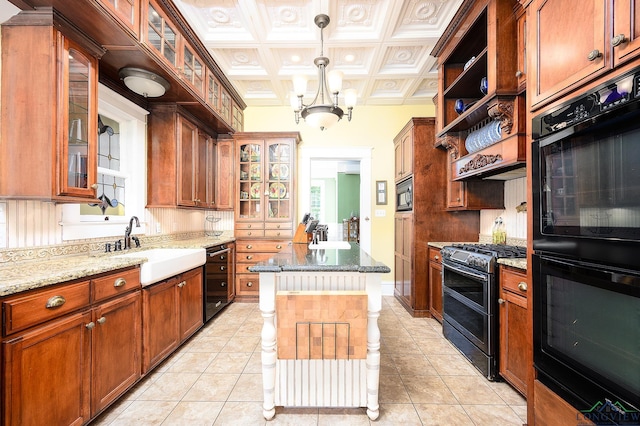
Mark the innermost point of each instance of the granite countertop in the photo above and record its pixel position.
(515, 263)
(301, 258)
(16, 277)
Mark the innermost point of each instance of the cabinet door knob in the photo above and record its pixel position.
(94, 186)
(249, 284)
(90, 325)
(593, 55)
(55, 302)
(501, 301)
(102, 320)
(120, 282)
(182, 284)
(522, 286)
(618, 40)
(519, 74)
(437, 257)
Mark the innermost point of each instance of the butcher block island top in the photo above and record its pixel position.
(320, 337)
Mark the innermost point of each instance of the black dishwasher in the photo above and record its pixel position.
(218, 281)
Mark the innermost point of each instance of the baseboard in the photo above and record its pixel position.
(387, 288)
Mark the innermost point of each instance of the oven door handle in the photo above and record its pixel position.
(467, 273)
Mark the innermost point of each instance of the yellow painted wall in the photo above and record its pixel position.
(371, 126)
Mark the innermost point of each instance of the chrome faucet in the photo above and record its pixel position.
(127, 233)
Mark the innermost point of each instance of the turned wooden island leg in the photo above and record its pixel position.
(374, 294)
(269, 355)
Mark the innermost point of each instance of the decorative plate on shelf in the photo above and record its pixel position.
(280, 171)
(277, 190)
(255, 171)
(255, 190)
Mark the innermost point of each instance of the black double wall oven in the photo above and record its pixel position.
(586, 241)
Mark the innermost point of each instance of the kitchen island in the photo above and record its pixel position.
(320, 338)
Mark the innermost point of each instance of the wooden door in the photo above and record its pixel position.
(116, 349)
(562, 55)
(626, 31)
(187, 157)
(46, 374)
(160, 322)
(190, 297)
(514, 340)
(224, 175)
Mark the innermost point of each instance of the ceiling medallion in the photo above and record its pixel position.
(323, 111)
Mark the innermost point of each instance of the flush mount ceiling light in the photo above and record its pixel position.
(144, 82)
(323, 111)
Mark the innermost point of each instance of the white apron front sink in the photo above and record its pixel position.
(163, 263)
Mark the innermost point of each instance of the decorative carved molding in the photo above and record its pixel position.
(503, 112)
(451, 143)
(480, 161)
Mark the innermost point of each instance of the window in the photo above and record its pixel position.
(121, 172)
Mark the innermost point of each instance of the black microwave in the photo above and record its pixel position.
(404, 195)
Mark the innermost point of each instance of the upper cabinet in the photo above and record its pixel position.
(49, 109)
(403, 149)
(561, 61)
(127, 12)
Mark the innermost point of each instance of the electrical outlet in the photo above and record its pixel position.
(158, 228)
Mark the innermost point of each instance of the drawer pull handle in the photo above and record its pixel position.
(249, 246)
(102, 320)
(90, 325)
(249, 284)
(222, 268)
(55, 302)
(437, 257)
(120, 282)
(223, 284)
(522, 286)
(249, 257)
(182, 284)
(249, 233)
(248, 268)
(278, 246)
(501, 301)
(249, 226)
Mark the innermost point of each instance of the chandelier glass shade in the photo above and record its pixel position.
(323, 112)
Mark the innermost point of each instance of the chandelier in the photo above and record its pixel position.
(323, 111)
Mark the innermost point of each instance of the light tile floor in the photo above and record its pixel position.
(215, 379)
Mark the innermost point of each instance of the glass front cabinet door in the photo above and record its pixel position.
(78, 139)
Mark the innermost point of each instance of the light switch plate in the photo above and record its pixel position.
(381, 212)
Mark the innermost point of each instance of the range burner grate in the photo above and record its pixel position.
(499, 251)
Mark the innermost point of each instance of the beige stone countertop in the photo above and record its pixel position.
(515, 263)
(16, 277)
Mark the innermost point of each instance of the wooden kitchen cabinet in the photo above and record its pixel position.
(560, 62)
(180, 152)
(265, 201)
(193, 69)
(435, 283)
(429, 220)
(50, 79)
(127, 12)
(84, 333)
(403, 153)
(516, 336)
(171, 313)
(225, 172)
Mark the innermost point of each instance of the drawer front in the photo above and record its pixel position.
(278, 233)
(249, 233)
(252, 258)
(249, 225)
(261, 246)
(434, 254)
(114, 284)
(270, 225)
(247, 285)
(25, 311)
(514, 281)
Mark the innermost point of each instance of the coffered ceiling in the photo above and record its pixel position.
(382, 46)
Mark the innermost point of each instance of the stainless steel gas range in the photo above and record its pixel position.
(470, 300)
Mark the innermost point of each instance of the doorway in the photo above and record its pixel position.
(311, 159)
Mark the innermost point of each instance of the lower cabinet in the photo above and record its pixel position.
(248, 253)
(435, 283)
(171, 313)
(515, 334)
(61, 367)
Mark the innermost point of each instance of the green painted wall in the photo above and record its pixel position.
(348, 195)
